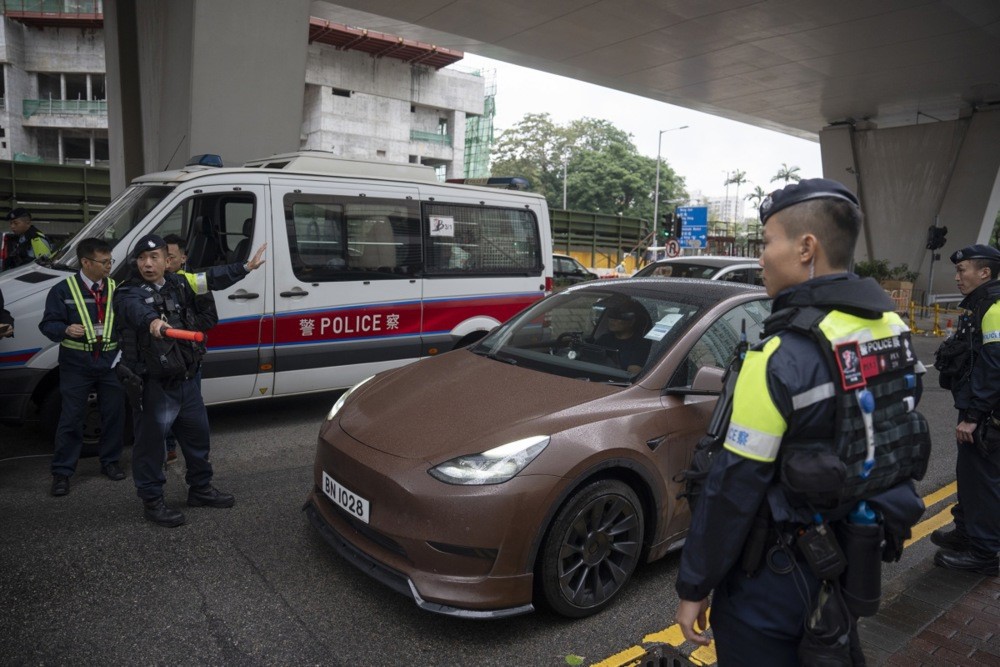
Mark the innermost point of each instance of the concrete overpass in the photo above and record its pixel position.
(903, 95)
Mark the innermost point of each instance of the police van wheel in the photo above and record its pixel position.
(48, 415)
(592, 548)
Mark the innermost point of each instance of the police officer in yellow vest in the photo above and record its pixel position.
(78, 316)
(968, 364)
(812, 487)
(29, 243)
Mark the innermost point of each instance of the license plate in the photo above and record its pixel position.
(345, 499)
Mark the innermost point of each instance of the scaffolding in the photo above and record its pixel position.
(479, 130)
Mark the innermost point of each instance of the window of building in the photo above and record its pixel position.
(98, 91)
(49, 86)
(344, 238)
(76, 86)
(340, 92)
(441, 172)
(443, 126)
(76, 149)
(101, 151)
(380, 153)
(483, 240)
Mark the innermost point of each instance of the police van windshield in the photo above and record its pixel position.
(115, 221)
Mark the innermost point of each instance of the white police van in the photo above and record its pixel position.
(370, 265)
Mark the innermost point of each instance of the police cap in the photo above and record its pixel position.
(18, 213)
(146, 243)
(976, 251)
(804, 190)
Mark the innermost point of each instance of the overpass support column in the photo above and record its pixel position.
(202, 76)
(911, 177)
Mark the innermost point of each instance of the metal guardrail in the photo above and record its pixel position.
(430, 137)
(65, 107)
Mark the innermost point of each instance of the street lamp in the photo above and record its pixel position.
(565, 162)
(656, 196)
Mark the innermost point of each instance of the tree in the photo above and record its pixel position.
(786, 174)
(737, 178)
(604, 170)
(757, 196)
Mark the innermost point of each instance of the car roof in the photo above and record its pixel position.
(709, 260)
(690, 290)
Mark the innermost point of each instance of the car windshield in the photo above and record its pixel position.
(115, 221)
(598, 335)
(679, 270)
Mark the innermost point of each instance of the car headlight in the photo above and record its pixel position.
(343, 399)
(493, 466)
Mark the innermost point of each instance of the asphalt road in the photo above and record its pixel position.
(85, 580)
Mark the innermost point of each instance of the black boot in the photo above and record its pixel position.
(209, 496)
(954, 539)
(158, 512)
(972, 560)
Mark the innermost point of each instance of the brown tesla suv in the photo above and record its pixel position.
(538, 464)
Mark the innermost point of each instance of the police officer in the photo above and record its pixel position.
(790, 471)
(203, 284)
(29, 244)
(154, 301)
(974, 380)
(78, 316)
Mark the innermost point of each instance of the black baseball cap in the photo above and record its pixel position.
(146, 243)
(16, 213)
(804, 190)
(976, 251)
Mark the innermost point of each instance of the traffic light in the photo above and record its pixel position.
(678, 223)
(668, 225)
(936, 237)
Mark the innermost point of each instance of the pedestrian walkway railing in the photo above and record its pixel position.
(939, 315)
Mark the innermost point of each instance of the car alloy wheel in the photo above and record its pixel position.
(592, 548)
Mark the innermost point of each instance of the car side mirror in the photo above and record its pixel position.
(708, 380)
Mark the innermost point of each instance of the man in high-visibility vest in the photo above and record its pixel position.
(78, 316)
(29, 244)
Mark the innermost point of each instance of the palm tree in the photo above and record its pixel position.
(757, 196)
(786, 174)
(737, 178)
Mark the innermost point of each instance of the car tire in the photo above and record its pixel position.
(48, 416)
(591, 548)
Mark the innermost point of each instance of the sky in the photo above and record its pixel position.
(702, 153)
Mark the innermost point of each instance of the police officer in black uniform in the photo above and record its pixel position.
(969, 364)
(145, 306)
(809, 439)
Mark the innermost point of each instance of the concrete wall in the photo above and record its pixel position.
(210, 76)
(64, 50)
(908, 178)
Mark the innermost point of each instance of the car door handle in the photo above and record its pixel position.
(295, 292)
(244, 295)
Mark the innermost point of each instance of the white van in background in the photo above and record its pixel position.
(369, 266)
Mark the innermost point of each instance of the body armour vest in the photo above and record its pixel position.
(879, 439)
(162, 358)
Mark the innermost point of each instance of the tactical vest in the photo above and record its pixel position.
(99, 335)
(955, 356)
(859, 460)
(35, 241)
(166, 359)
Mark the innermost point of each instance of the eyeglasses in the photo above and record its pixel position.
(105, 262)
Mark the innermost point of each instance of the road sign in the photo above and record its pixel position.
(694, 226)
(673, 248)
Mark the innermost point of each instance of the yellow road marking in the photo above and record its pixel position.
(629, 656)
(924, 528)
(705, 655)
(941, 494)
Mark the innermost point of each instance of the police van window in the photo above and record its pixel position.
(715, 347)
(344, 238)
(200, 222)
(236, 226)
(463, 240)
(117, 220)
